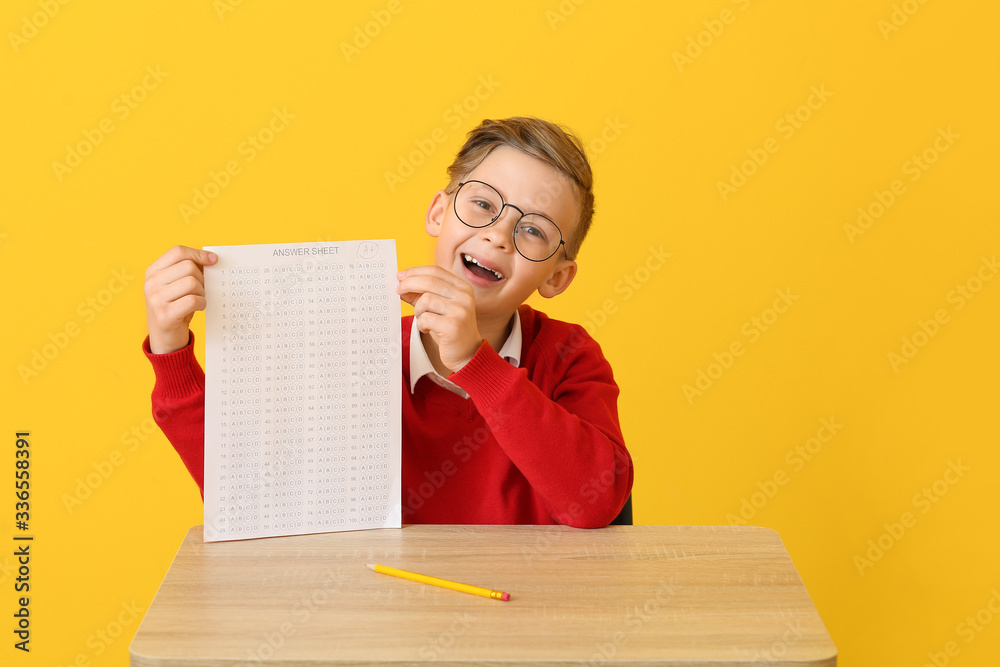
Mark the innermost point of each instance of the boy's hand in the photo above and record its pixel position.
(444, 307)
(174, 289)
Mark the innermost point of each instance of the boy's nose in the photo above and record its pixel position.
(495, 236)
(501, 233)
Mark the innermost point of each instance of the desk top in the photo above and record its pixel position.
(621, 595)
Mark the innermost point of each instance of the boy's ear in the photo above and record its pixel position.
(436, 212)
(560, 279)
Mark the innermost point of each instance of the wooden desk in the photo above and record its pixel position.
(622, 595)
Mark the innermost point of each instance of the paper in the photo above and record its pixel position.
(302, 389)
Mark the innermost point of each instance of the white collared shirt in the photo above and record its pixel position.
(420, 363)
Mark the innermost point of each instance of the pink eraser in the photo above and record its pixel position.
(505, 597)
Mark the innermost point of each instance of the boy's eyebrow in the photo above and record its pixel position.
(541, 212)
(527, 209)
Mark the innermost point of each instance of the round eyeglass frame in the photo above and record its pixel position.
(503, 205)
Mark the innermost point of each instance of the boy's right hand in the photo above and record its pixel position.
(175, 289)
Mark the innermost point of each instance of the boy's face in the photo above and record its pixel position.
(532, 186)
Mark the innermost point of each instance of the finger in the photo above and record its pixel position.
(180, 288)
(432, 303)
(173, 272)
(183, 308)
(180, 253)
(432, 270)
(179, 271)
(183, 269)
(427, 284)
(420, 307)
(409, 297)
(412, 297)
(429, 323)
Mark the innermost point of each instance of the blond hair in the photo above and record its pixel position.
(553, 144)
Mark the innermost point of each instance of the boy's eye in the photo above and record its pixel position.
(533, 231)
(483, 204)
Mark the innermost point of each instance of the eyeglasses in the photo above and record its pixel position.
(478, 205)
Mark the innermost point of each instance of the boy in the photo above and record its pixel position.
(509, 417)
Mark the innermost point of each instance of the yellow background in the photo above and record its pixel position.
(663, 133)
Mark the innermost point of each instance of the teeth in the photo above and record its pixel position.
(470, 258)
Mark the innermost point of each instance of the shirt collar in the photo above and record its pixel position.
(420, 363)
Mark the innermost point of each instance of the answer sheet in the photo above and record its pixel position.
(302, 389)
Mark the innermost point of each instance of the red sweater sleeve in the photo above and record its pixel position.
(561, 431)
(178, 400)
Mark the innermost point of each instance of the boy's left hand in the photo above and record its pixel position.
(444, 307)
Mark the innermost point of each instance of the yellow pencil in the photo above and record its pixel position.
(443, 583)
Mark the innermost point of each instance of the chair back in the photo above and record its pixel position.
(624, 517)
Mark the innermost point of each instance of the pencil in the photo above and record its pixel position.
(443, 583)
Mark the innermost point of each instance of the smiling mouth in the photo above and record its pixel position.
(478, 269)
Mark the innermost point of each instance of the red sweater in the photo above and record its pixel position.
(539, 444)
